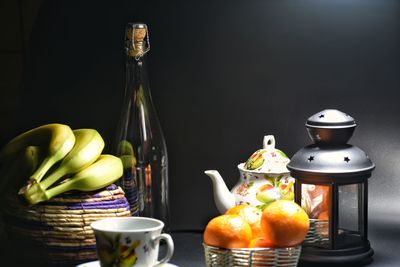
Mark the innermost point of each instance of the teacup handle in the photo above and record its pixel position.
(170, 247)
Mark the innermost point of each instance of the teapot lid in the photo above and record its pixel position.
(268, 160)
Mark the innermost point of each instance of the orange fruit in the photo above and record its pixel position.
(227, 231)
(260, 242)
(251, 215)
(284, 223)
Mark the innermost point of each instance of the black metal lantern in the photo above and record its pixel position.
(332, 186)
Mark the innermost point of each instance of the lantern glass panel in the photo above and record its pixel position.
(316, 201)
(350, 211)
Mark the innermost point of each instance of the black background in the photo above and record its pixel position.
(223, 74)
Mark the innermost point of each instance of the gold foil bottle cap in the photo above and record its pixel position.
(137, 39)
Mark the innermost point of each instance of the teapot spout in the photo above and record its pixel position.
(223, 198)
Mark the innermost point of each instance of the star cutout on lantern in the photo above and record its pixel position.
(311, 158)
(347, 159)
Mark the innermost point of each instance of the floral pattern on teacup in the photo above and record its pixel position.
(117, 251)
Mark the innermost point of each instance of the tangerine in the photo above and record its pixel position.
(227, 231)
(284, 223)
(260, 242)
(251, 215)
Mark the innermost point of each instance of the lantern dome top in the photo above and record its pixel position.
(330, 118)
(330, 126)
(331, 158)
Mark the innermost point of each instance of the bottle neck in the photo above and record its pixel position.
(136, 73)
(137, 83)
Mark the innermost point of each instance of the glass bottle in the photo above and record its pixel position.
(139, 139)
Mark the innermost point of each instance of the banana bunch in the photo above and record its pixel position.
(57, 159)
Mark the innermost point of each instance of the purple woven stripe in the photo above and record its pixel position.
(111, 204)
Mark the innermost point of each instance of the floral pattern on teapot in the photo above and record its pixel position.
(264, 179)
(265, 188)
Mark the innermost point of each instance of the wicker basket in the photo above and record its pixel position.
(252, 257)
(57, 232)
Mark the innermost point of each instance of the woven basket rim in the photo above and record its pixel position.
(253, 249)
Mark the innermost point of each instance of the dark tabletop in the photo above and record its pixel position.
(384, 240)
(384, 236)
(189, 250)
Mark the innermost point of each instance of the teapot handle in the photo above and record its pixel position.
(269, 141)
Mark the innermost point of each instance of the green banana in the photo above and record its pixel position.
(57, 138)
(125, 148)
(126, 154)
(14, 174)
(128, 161)
(87, 148)
(104, 171)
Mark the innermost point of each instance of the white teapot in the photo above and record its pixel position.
(264, 178)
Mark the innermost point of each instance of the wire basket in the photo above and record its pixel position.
(252, 257)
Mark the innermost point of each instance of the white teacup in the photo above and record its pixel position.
(130, 241)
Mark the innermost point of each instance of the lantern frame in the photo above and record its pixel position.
(334, 254)
(330, 161)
